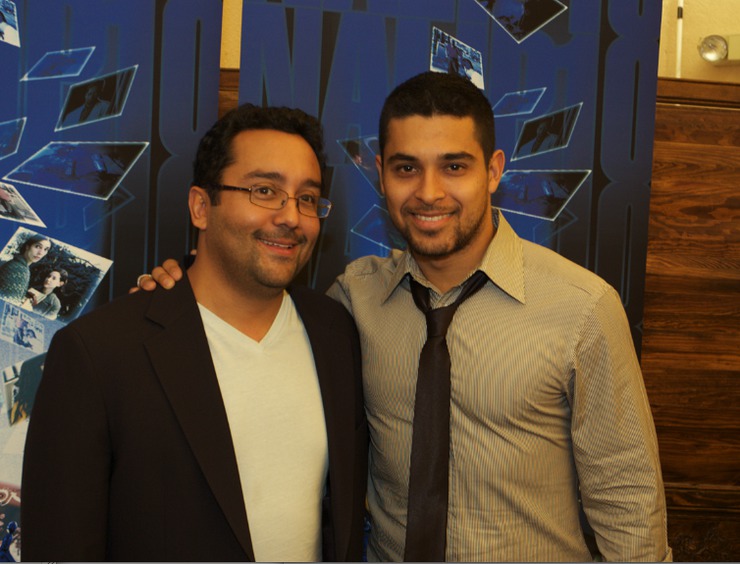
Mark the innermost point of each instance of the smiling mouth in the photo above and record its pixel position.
(278, 245)
(431, 218)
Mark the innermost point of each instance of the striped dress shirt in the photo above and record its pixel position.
(548, 407)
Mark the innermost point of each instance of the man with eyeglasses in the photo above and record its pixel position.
(222, 420)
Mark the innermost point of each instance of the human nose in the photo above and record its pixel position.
(288, 214)
(430, 188)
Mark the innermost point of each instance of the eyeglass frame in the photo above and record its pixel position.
(321, 205)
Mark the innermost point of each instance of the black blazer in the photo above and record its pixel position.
(129, 455)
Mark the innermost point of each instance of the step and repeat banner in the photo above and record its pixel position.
(572, 84)
(102, 105)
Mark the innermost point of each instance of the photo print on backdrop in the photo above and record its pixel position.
(60, 64)
(20, 381)
(21, 328)
(448, 54)
(10, 516)
(537, 193)
(546, 133)
(361, 152)
(48, 277)
(9, 23)
(10, 136)
(100, 98)
(86, 168)
(521, 18)
(518, 103)
(14, 207)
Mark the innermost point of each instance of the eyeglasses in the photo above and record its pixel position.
(271, 198)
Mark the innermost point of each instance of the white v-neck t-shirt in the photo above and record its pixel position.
(273, 403)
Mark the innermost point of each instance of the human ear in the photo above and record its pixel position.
(199, 205)
(379, 167)
(495, 170)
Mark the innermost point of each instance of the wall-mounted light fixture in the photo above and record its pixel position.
(720, 49)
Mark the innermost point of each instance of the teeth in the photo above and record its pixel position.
(432, 218)
(277, 245)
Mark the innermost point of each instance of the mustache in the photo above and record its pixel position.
(283, 234)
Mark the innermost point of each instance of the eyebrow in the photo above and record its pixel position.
(279, 178)
(403, 157)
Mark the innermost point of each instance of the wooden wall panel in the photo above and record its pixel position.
(691, 344)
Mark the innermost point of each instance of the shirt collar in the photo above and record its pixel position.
(503, 263)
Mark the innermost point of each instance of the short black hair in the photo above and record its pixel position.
(215, 149)
(431, 94)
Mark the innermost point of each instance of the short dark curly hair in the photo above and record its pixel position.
(214, 151)
(440, 94)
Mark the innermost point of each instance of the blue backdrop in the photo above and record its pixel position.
(109, 189)
(587, 69)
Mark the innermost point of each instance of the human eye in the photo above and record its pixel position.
(311, 199)
(264, 192)
(405, 169)
(456, 168)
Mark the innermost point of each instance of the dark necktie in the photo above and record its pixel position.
(426, 527)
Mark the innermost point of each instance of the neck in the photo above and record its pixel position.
(251, 312)
(446, 272)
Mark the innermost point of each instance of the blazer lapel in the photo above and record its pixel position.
(334, 398)
(182, 362)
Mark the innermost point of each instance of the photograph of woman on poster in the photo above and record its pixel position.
(44, 300)
(15, 274)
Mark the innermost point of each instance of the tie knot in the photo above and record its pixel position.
(438, 320)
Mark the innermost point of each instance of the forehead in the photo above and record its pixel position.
(267, 150)
(439, 134)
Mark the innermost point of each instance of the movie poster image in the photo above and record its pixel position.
(538, 193)
(85, 168)
(547, 132)
(449, 54)
(10, 516)
(521, 18)
(60, 64)
(9, 23)
(518, 103)
(103, 97)
(14, 207)
(361, 152)
(21, 328)
(10, 136)
(21, 381)
(47, 277)
(102, 106)
(573, 70)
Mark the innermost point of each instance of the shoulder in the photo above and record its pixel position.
(114, 319)
(315, 305)
(372, 267)
(13, 265)
(548, 271)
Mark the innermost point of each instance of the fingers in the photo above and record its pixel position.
(165, 276)
(172, 268)
(143, 282)
(159, 276)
